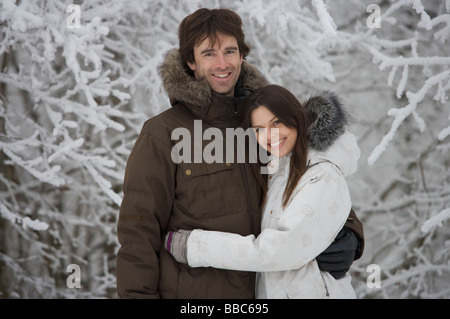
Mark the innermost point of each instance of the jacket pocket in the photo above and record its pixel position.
(271, 217)
(210, 190)
(188, 285)
(306, 282)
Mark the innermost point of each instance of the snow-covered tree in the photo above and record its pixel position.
(78, 79)
(75, 81)
(403, 120)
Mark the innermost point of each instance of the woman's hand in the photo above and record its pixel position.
(176, 244)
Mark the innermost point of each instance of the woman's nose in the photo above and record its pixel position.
(274, 134)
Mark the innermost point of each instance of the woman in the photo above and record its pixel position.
(306, 204)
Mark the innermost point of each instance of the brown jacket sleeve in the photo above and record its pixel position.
(356, 226)
(144, 215)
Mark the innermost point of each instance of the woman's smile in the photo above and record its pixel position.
(277, 145)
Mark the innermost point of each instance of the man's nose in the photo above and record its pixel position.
(220, 61)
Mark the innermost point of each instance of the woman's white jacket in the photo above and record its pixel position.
(284, 253)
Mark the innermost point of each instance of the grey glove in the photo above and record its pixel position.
(176, 244)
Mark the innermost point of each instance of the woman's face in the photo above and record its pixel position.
(274, 136)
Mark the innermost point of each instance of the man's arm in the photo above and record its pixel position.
(144, 212)
(347, 247)
(354, 224)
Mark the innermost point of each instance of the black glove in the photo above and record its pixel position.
(339, 256)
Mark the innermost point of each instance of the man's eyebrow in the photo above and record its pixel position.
(209, 50)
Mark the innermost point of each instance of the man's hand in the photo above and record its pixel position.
(339, 256)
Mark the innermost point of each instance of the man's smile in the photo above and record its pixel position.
(222, 75)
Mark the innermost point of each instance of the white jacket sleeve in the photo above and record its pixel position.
(307, 226)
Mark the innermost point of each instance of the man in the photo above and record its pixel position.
(206, 79)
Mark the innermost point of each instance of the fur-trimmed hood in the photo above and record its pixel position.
(184, 88)
(328, 139)
(331, 119)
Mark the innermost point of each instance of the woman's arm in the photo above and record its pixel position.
(308, 225)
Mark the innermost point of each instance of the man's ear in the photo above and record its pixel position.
(191, 65)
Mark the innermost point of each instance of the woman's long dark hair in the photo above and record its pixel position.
(289, 111)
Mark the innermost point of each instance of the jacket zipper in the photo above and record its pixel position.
(247, 193)
(242, 169)
(244, 175)
(249, 212)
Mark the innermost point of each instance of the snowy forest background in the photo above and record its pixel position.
(74, 94)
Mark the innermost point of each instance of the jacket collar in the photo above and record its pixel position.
(182, 87)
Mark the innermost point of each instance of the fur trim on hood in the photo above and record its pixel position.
(330, 122)
(182, 87)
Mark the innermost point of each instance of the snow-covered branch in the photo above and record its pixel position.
(401, 114)
(382, 50)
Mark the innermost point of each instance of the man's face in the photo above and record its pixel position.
(219, 65)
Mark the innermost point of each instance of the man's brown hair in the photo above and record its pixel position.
(205, 23)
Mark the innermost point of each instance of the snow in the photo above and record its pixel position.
(327, 22)
(25, 222)
(436, 221)
(73, 100)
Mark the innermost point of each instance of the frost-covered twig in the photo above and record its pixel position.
(401, 114)
(24, 221)
(436, 221)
